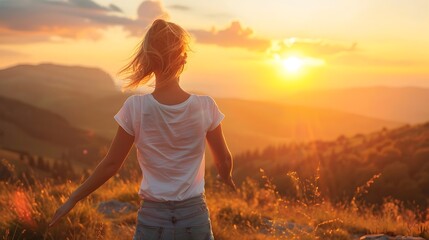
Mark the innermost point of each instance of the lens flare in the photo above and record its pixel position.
(22, 206)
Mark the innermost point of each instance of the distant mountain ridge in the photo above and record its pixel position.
(402, 104)
(22, 126)
(88, 99)
(253, 124)
(51, 84)
(71, 91)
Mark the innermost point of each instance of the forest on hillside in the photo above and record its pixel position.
(363, 168)
(51, 129)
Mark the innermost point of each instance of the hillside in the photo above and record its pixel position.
(67, 90)
(87, 99)
(401, 104)
(47, 84)
(24, 127)
(390, 163)
(340, 189)
(255, 124)
(74, 92)
(335, 190)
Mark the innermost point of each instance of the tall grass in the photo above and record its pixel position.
(253, 212)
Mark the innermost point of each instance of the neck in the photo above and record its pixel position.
(171, 85)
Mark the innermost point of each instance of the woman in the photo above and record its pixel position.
(169, 128)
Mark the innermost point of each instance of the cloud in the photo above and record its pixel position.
(114, 8)
(179, 7)
(88, 4)
(147, 12)
(29, 21)
(233, 36)
(310, 47)
(76, 19)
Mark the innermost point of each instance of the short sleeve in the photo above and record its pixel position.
(124, 117)
(216, 116)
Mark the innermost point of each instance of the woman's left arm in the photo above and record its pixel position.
(108, 167)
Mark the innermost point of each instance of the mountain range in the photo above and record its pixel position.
(87, 99)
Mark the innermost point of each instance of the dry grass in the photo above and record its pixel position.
(250, 213)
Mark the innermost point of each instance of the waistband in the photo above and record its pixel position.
(174, 204)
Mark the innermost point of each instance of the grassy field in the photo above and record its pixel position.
(253, 212)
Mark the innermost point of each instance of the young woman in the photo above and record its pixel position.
(169, 128)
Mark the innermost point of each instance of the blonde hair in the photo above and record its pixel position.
(162, 51)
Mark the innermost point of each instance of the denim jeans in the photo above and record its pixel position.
(178, 220)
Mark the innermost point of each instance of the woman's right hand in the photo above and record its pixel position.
(62, 211)
(228, 181)
(231, 183)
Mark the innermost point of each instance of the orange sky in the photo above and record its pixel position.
(249, 49)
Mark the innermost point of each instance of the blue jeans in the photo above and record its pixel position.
(178, 220)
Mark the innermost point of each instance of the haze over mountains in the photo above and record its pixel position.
(402, 104)
(253, 124)
(49, 83)
(26, 128)
(73, 92)
(88, 99)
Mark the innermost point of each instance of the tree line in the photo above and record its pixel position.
(362, 168)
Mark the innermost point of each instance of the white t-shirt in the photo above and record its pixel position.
(170, 142)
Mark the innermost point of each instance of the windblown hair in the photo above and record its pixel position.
(162, 51)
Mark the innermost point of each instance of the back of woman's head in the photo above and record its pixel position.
(162, 53)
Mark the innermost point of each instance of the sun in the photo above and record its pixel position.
(293, 64)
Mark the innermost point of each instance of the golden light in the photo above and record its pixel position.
(293, 64)
(293, 68)
(23, 208)
(296, 64)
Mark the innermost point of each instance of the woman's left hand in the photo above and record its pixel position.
(62, 211)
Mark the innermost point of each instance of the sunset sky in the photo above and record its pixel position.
(248, 49)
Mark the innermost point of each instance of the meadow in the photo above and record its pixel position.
(255, 211)
(339, 189)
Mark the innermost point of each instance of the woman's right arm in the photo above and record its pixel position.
(221, 154)
(108, 167)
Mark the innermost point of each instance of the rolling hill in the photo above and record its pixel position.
(255, 124)
(389, 163)
(48, 84)
(74, 92)
(88, 99)
(24, 127)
